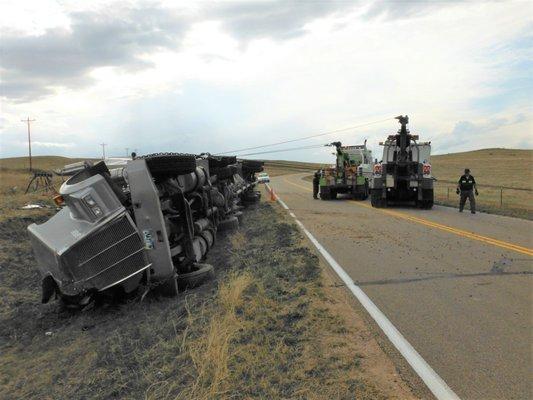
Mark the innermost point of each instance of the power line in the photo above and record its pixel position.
(308, 137)
(28, 121)
(315, 146)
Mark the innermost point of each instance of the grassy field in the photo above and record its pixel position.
(272, 325)
(500, 174)
(14, 178)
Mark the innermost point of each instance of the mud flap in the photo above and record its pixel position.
(49, 287)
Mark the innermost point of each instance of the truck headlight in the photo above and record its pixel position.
(93, 205)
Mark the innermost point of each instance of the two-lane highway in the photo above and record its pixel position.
(457, 286)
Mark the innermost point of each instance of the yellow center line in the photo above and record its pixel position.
(436, 225)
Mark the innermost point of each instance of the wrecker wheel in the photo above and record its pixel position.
(377, 201)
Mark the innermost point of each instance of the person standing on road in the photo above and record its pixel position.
(316, 181)
(466, 187)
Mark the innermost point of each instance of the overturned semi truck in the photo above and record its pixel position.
(148, 223)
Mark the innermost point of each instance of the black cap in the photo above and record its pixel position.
(467, 171)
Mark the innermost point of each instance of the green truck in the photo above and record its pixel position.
(350, 175)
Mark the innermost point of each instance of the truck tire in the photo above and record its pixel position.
(228, 224)
(425, 204)
(165, 164)
(377, 201)
(325, 196)
(239, 215)
(374, 200)
(200, 274)
(251, 198)
(252, 165)
(222, 172)
(427, 200)
(221, 161)
(365, 194)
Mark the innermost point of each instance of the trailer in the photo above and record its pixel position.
(147, 224)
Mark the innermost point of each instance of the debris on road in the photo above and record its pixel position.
(32, 206)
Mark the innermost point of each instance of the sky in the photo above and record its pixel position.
(219, 76)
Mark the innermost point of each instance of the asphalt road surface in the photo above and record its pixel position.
(457, 286)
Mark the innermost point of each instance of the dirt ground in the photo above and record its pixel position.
(271, 325)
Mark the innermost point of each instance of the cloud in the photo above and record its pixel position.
(33, 66)
(52, 144)
(279, 19)
(468, 134)
(392, 10)
(202, 77)
(36, 66)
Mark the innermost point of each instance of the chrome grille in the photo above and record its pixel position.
(108, 256)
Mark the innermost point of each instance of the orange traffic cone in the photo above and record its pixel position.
(272, 195)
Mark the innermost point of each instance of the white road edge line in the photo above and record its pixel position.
(433, 381)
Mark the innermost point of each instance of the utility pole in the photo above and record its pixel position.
(103, 150)
(28, 121)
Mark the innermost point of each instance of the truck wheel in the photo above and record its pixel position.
(200, 274)
(325, 196)
(228, 224)
(170, 163)
(332, 195)
(252, 165)
(239, 215)
(427, 202)
(222, 172)
(364, 196)
(221, 162)
(377, 201)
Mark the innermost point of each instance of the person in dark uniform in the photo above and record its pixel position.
(316, 181)
(466, 187)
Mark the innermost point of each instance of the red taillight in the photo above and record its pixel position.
(378, 169)
(426, 169)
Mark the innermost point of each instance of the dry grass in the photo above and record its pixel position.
(507, 168)
(500, 167)
(210, 354)
(265, 329)
(14, 178)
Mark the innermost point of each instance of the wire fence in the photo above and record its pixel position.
(502, 199)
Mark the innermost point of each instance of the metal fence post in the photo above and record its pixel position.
(501, 197)
(448, 193)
